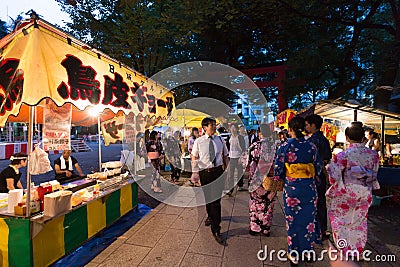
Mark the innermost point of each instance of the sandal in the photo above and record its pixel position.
(157, 190)
(196, 184)
(293, 262)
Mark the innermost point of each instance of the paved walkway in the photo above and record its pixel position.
(172, 236)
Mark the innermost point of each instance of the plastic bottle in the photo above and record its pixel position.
(34, 201)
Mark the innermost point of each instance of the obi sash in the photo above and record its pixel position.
(300, 170)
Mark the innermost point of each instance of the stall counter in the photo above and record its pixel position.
(42, 241)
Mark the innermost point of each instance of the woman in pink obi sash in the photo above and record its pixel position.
(353, 175)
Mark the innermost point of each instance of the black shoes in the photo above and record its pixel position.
(218, 238)
(207, 222)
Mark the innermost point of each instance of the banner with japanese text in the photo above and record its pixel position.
(56, 126)
(283, 118)
(113, 130)
(43, 61)
(123, 128)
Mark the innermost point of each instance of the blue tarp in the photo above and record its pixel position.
(90, 249)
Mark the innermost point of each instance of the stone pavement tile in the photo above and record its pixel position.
(242, 219)
(147, 235)
(162, 220)
(168, 209)
(240, 230)
(383, 241)
(201, 210)
(179, 201)
(242, 199)
(276, 241)
(107, 251)
(184, 191)
(227, 205)
(126, 255)
(200, 260)
(91, 264)
(204, 242)
(374, 254)
(242, 252)
(198, 200)
(148, 216)
(132, 230)
(159, 207)
(190, 219)
(170, 250)
(325, 261)
(278, 219)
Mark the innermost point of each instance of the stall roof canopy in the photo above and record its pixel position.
(341, 110)
(39, 61)
(186, 118)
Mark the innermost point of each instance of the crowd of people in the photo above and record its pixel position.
(300, 159)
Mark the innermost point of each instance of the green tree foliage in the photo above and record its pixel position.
(332, 48)
(335, 48)
(3, 29)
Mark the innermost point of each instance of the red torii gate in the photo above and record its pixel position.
(280, 71)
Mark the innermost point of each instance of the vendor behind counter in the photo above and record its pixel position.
(10, 176)
(64, 167)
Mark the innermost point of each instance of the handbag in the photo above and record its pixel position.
(270, 184)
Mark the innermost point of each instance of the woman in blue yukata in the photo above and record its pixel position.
(298, 163)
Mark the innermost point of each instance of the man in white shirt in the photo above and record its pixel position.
(209, 160)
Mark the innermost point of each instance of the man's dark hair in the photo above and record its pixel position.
(355, 131)
(314, 119)
(206, 121)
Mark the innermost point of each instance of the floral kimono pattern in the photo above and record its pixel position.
(299, 194)
(153, 146)
(353, 175)
(261, 202)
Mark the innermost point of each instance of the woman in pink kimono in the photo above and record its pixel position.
(353, 175)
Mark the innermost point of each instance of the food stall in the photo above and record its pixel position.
(340, 113)
(39, 63)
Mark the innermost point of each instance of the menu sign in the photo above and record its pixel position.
(56, 126)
